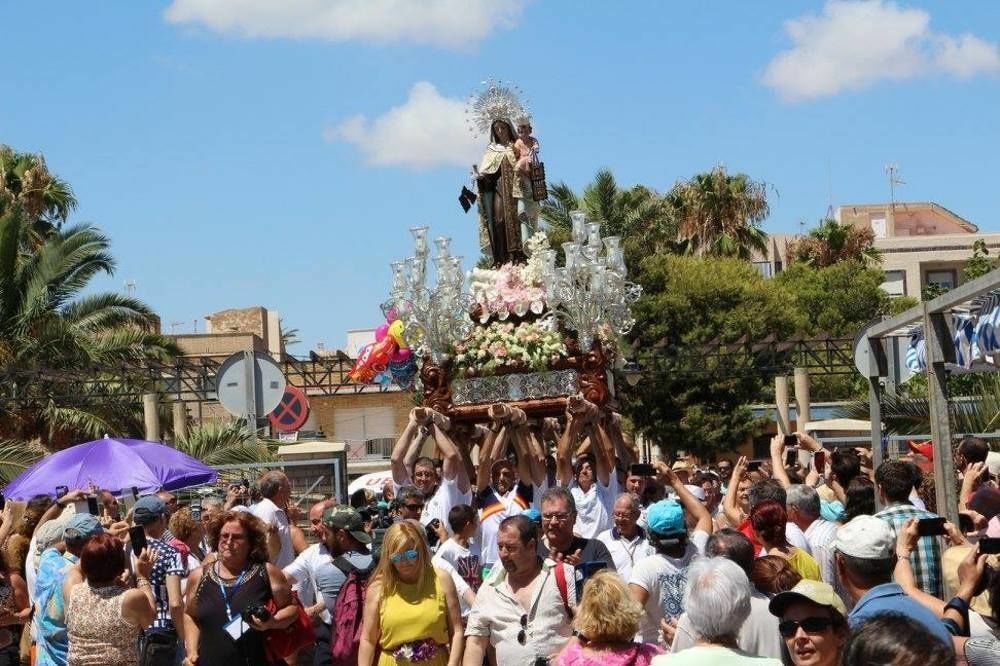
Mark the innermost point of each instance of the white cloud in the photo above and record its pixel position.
(443, 23)
(426, 131)
(854, 44)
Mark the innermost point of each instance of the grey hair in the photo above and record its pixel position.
(408, 492)
(633, 500)
(804, 498)
(271, 483)
(717, 598)
(212, 502)
(559, 493)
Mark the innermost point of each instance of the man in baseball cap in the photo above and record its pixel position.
(866, 555)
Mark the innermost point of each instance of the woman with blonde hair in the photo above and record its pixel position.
(411, 614)
(607, 619)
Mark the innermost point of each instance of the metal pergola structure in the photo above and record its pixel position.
(935, 318)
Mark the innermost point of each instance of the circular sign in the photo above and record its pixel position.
(292, 412)
(246, 377)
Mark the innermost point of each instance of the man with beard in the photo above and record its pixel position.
(324, 566)
(524, 611)
(408, 467)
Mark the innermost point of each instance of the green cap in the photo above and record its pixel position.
(342, 517)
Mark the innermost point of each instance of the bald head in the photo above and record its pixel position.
(316, 515)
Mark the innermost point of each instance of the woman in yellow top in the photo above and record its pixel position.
(411, 609)
(768, 520)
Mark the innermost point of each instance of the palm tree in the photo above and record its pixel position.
(832, 242)
(46, 199)
(636, 214)
(720, 215)
(52, 338)
(225, 443)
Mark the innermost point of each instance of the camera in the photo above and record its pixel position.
(257, 612)
(432, 535)
(378, 517)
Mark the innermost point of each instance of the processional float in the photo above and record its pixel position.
(534, 329)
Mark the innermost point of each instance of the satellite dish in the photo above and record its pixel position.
(898, 372)
(250, 380)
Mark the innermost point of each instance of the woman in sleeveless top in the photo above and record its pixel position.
(14, 612)
(225, 590)
(103, 617)
(411, 608)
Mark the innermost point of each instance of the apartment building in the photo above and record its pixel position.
(922, 243)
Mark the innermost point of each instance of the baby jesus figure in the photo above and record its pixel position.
(526, 153)
(526, 146)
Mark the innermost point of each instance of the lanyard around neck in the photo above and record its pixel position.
(222, 588)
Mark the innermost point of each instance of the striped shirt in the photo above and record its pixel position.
(926, 557)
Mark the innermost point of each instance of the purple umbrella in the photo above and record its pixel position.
(111, 464)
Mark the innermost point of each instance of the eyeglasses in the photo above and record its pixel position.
(810, 625)
(522, 636)
(405, 555)
(555, 517)
(414, 507)
(623, 516)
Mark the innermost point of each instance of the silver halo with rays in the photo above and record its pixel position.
(497, 101)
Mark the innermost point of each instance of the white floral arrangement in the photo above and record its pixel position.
(513, 288)
(534, 345)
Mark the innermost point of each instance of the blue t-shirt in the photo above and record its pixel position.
(890, 598)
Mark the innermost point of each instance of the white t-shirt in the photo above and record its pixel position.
(316, 573)
(445, 496)
(270, 514)
(664, 579)
(626, 553)
(460, 585)
(465, 561)
(594, 507)
(493, 509)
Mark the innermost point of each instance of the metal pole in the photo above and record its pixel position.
(940, 349)
(250, 367)
(151, 416)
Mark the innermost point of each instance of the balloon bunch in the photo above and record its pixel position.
(388, 358)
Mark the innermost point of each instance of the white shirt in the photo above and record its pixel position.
(497, 615)
(664, 579)
(820, 535)
(460, 585)
(444, 498)
(758, 634)
(594, 507)
(270, 514)
(796, 537)
(465, 561)
(315, 571)
(626, 552)
(494, 508)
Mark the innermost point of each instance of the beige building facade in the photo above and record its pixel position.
(922, 243)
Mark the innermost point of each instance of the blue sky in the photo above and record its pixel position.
(275, 153)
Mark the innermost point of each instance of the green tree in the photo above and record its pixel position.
(636, 214)
(225, 443)
(832, 242)
(45, 199)
(980, 263)
(700, 402)
(49, 329)
(719, 214)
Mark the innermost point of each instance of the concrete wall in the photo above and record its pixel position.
(257, 320)
(916, 255)
(218, 344)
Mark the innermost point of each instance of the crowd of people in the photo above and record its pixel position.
(556, 548)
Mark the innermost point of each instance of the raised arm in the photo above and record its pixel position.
(730, 504)
(604, 451)
(690, 503)
(576, 420)
(778, 460)
(485, 456)
(530, 457)
(397, 460)
(453, 467)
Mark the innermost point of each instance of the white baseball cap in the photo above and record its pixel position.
(867, 538)
(697, 491)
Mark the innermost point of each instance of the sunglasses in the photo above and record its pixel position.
(810, 625)
(405, 555)
(522, 636)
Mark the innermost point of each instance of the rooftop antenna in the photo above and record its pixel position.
(892, 171)
(130, 287)
(174, 325)
(195, 326)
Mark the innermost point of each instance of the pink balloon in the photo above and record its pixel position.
(401, 355)
(380, 332)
